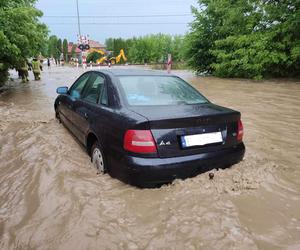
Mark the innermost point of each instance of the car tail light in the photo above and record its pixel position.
(139, 141)
(240, 131)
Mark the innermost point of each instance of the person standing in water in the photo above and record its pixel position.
(36, 68)
(24, 70)
(48, 62)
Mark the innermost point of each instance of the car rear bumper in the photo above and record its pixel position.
(151, 172)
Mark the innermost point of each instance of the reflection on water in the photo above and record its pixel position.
(52, 198)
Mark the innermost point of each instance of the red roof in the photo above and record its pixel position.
(70, 45)
(95, 44)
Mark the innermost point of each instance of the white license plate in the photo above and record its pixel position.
(201, 139)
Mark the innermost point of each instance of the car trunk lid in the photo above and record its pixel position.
(190, 129)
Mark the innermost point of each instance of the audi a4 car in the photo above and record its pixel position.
(148, 128)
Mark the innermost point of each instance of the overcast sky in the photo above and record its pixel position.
(116, 18)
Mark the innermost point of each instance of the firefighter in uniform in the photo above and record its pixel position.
(24, 70)
(36, 68)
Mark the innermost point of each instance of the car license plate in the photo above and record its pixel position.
(201, 139)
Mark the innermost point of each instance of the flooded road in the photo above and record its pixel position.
(52, 198)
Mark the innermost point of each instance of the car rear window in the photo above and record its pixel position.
(159, 90)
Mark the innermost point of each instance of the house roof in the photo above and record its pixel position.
(70, 45)
(92, 43)
(95, 44)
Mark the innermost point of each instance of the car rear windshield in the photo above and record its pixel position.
(159, 90)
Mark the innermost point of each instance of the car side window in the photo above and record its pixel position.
(104, 98)
(78, 86)
(94, 89)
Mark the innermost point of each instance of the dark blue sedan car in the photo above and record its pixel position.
(148, 128)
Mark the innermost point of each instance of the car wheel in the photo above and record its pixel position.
(97, 158)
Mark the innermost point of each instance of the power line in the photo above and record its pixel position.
(95, 23)
(165, 2)
(155, 15)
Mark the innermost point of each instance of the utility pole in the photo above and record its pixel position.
(78, 19)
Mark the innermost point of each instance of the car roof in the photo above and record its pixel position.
(133, 72)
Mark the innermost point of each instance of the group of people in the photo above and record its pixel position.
(25, 66)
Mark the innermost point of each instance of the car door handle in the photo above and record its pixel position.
(86, 116)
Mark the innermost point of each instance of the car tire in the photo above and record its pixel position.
(98, 158)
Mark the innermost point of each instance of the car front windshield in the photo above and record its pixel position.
(159, 90)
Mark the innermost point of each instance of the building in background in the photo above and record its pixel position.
(77, 50)
(96, 45)
(80, 54)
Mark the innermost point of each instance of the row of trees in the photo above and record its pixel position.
(21, 34)
(148, 49)
(55, 47)
(251, 39)
(241, 38)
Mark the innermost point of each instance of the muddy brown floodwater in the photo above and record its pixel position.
(51, 197)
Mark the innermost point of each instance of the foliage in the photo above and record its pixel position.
(73, 51)
(56, 48)
(148, 49)
(94, 56)
(65, 49)
(116, 44)
(59, 48)
(254, 38)
(52, 47)
(21, 35)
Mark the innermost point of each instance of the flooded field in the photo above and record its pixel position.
(52, 198)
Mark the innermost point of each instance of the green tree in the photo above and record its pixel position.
(109, 43)
(22, 35)
(59, 48)
(148, 49)
(65, 50)
(177, 48)
(94, 56)
(254, 38)
(53, 51)
(73, 52)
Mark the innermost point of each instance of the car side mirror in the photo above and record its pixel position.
(62, 90)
